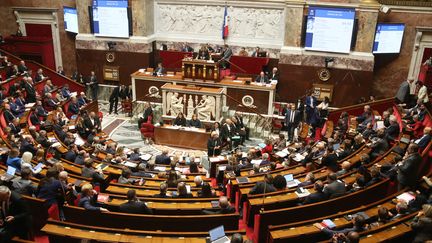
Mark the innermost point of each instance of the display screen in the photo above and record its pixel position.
(70, 19)
(110, 18)
(388, 38)
(329, 29)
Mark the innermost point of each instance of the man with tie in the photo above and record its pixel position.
(93, 85)
(228, 131)
(243, 129)
(214, 145)
(274, 75)
(113, 100)
(14, 125)
(262, 78)
(73, 106)
(292, 120)
(15, 216)
(226, 55)
(31, 92)
(310, 107)
(7, 113)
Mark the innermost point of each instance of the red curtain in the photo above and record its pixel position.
(38, 30)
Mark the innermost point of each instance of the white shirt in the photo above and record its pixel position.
(422, 94)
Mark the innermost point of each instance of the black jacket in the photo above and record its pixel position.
(423, 228)
(315, 197)
(136, 207)
(227, 210)
(162, 159)
(19, 210)
(407, 172)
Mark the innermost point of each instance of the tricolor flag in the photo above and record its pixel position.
(225, 24)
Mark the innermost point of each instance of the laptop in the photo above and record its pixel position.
(10, 173)
(242, 180)
(217, 235)
(290, 181)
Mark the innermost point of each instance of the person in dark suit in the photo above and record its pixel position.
(93, 85)
(265, 186)
(163, 188)
(113, 100)
(187, 48)
(7, 114)
(262, 78)
(182, 191)
(292, 120)
(408, 167)
(30, 91)
(379, 146)
(194, 122)
(422, 224)
(27, 145)
(12, 71)
(134, 205)
(163, 158)
(226, 55)
(274, 75)
(203, 53)
(392, 132)
(180, 120)
(148, 112)
(73, 106)
(318, 195)
(22, 68)
(310, 104)
(16, 217)
(92, 122)
(242, 128)
(15, 127)
(40, 76)
(403, 93)
(89, 199)
(214, 145)
(61, 71)
(159, 70)
(228, 130)
(330, 160)
(424, 140)
(224, 205)
(334, 187)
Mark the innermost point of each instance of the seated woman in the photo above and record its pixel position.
(194, 122)
(280, 143)
(193, 168)
(89, 199)
(268, 147)
(13, 160)
(180, 120)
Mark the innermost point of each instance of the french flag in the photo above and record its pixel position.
(225, 24)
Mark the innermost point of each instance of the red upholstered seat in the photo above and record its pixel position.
(53, 212)
(3, 121)
(147, 130)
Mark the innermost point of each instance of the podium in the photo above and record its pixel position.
(200, 70)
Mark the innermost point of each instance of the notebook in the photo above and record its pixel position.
(241, 180)
(217, 235)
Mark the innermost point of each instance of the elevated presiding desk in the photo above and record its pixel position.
(237, 93)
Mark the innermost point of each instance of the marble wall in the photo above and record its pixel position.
(391, 70)
(9, 25)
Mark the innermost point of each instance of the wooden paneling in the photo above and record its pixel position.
(129, 62)
(349, 85)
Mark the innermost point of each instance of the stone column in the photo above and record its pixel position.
(83, 16)
(293, 22)
(142, 17)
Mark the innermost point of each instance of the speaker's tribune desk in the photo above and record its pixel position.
(183, 137)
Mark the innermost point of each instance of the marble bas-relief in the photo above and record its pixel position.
(207, 20)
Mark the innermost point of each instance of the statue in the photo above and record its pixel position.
(190, 107)
(206, 108)
(175, 104)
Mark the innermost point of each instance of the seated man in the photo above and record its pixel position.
(65, 92)
(318, 195)
(163, 188)
(194, 122)
(40, 76)
(262, 78)
(134, 205)
(16, 216)
(49, 103)
(159, 70)
(274, 75)
(74, 107)
(359, 225)
(82, 99)
(334, 187)
(163, 158)
(225, 207)
(15, 127)
(243, 52)
(265, 186)
(424, 140)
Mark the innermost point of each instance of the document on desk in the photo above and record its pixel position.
(256, 161)
(214, 159)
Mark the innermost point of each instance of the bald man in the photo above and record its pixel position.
(16, 218)
(224, 205)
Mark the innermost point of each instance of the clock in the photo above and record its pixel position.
(110, 57)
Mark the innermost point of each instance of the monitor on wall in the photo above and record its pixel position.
(111, 18)
(329, 29)
(388, 38)
(70, 19)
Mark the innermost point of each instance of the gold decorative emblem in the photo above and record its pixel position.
(110, 57)
(324, 74)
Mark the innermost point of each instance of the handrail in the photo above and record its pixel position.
(53, 71)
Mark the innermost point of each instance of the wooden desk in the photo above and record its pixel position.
(168, 135)
(200, 70)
